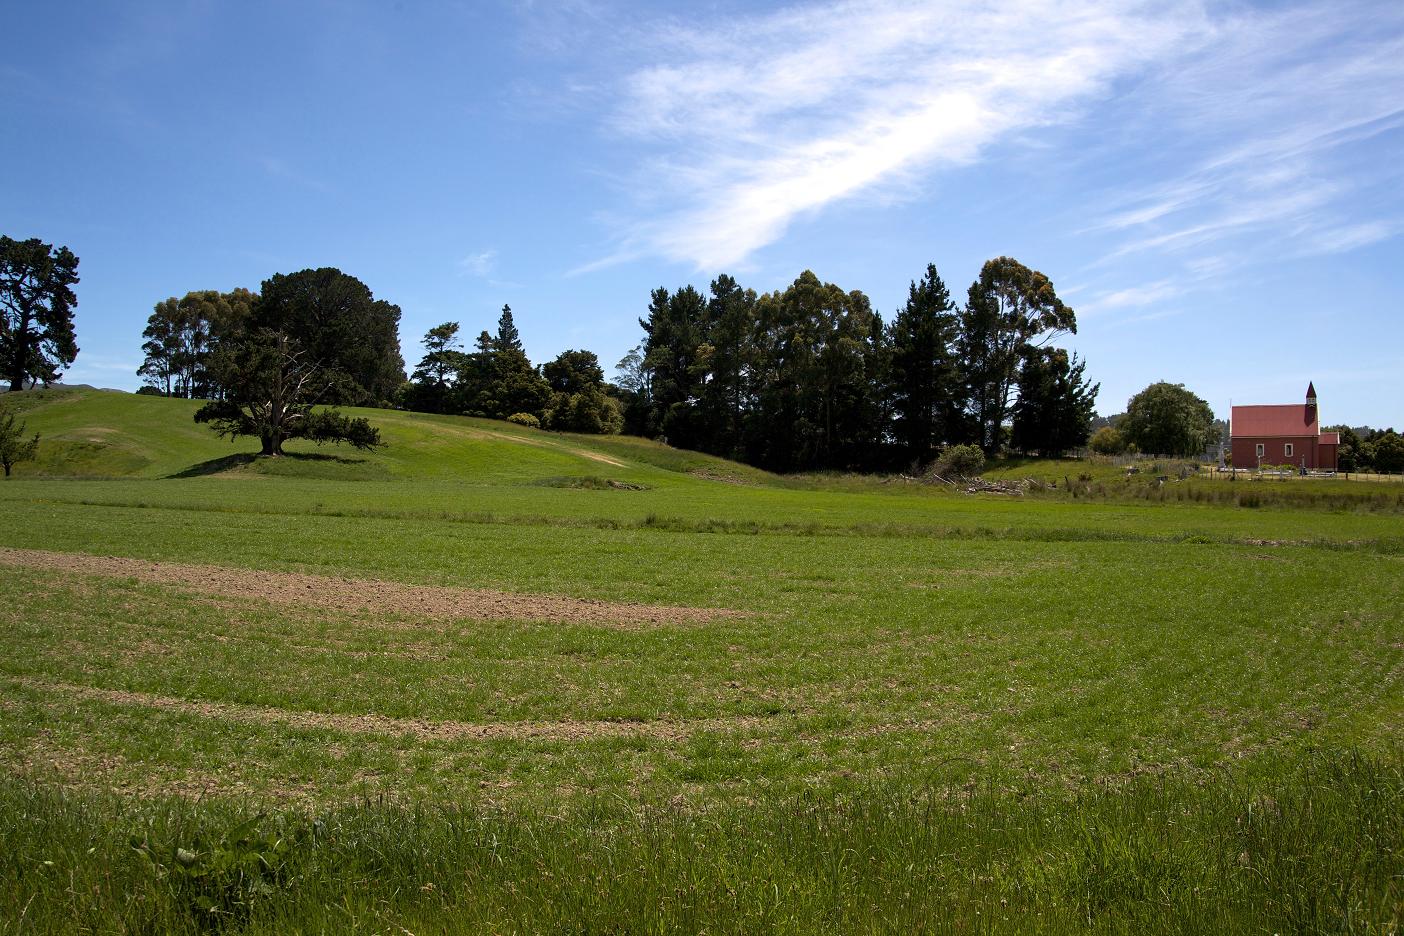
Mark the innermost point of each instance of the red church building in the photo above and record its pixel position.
(1289, 434)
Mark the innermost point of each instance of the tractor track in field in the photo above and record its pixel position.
(419, 729)
(364, 596)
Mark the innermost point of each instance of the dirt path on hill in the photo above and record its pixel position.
(555, 446)
(363, 596)
(474, 432)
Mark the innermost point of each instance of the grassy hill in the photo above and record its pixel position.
(104, 434)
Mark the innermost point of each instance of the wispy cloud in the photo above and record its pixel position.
(280, 168)
(1131, 298)
(1235, 123)
(481, 263)
(762, 120)
(1285, 121)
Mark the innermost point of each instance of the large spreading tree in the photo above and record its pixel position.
(37, 341)
(313, 338)
(272, 386)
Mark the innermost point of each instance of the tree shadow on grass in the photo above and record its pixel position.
(240, 459)
(214, 466)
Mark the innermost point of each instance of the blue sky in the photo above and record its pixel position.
(1215, 188)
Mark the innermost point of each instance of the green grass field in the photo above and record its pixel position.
(900, 707)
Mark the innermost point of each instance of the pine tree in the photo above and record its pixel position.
(924, 379)
(508, 339)
(36, 311)
(1054, 411)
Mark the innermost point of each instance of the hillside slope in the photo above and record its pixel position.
(103, 434)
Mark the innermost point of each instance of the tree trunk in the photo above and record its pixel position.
(272, 445)
(21, 345)
(7, 469)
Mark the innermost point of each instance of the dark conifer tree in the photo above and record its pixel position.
(675, 328)
(1053, 414)
(508, 339)
(37, 340)
(925, 383)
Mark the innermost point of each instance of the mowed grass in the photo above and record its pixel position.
(929, 710)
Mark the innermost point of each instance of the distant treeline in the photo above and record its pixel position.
(1366, 449)
(811, 377)
(341, 345)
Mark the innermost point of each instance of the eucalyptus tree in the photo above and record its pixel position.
(1010, 310)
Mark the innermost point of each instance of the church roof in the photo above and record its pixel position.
(1292, 419)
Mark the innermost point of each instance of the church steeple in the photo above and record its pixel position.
(1311, 402)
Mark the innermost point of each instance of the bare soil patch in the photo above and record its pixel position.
(363, 596)
(714, 474)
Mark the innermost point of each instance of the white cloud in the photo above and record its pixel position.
(478, 264)
(1237, 125)
(1291, 120)
(762, 120)
(1133, 297)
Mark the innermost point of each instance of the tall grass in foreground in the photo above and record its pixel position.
(1315, 845)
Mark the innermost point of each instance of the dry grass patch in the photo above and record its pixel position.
(364, 596)
(418, 729)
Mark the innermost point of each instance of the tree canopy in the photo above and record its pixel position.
(924, 372)
(1167, 419)
(181, 334)
(37, 341)
(810, 377)
(579, 401)
(807, 377)
(1054, 410)
(271, 384)
(433, 380)
(352, 337)
(1009, 311)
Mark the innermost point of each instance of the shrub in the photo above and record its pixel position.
(960, 461)
(525, 419)
(1108, 440)
(14, 447)
(591, 411)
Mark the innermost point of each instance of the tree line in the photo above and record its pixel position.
(811, 377)
(268, 363)
(1367, 449)
(497, 380)
(801, 378)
